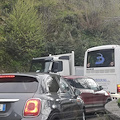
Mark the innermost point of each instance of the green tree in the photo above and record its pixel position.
(65, 25)
(24, 38)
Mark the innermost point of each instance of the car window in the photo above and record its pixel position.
(92, 84)
(65, 87)
(84, 83)
(52, 84)
(18, 84)
(74, 83)
(87, 83)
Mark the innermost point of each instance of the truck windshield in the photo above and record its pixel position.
(40, 66)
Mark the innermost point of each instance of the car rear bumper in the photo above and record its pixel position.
(17, 117)
(41, 117)
(115, 96)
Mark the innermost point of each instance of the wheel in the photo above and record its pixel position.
(55, 119)
(54, 116)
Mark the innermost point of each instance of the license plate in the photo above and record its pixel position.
(2, 107)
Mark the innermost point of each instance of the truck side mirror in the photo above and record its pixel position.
(55, 67)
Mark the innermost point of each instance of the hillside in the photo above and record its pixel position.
(35, 28)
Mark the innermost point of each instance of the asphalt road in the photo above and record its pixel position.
(97, 116)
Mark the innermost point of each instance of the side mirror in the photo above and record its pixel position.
(67, 88)
(77, 92)
(100, 87)
(55, 67)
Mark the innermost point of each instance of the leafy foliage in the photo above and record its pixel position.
(118, 102)
(23, 37)
(32, 28)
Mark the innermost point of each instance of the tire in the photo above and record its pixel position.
(54, 116)
(55, 119)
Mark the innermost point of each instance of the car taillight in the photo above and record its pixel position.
(7, 76)
(32, 107)
(118, 88)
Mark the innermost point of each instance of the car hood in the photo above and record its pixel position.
(86, 90)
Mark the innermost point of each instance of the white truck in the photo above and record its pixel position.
(62, 64)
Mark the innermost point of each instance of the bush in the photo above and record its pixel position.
(118, 101)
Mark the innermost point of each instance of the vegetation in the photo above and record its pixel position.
(118, 102)
(32, 28)
(103, 116)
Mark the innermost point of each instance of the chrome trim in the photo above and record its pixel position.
(94, 105)
(9, 100)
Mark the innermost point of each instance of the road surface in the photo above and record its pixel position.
(97, 116)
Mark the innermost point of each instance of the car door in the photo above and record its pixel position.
(87, 96)
(62, 98)
(68, 101)
(86, 92)
(98, 96)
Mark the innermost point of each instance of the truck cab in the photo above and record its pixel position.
(62, 64)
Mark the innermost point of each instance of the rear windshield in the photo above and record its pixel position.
(19, 84)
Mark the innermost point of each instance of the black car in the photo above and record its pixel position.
(38, 96)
